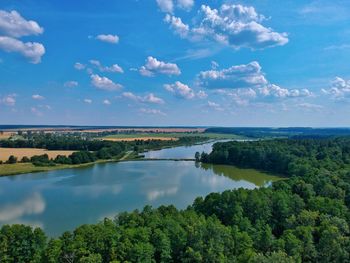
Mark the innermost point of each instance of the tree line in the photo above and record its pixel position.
(87, 149)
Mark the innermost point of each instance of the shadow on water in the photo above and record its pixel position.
(237, 174)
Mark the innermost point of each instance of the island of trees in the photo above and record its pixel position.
(303, 218)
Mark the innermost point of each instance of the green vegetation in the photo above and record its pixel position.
(88, 150)
(281, 132)
(304, 218)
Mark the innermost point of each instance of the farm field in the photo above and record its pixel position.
(5, 153)
(5, 135)
(168, 136)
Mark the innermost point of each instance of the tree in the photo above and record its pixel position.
(12, 159)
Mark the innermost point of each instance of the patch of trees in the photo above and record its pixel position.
(304, 218)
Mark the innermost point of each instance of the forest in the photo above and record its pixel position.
(303, 218)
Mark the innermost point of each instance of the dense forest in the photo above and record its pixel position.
(301, 132)
(304, 218)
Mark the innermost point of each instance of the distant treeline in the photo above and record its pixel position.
(282, 132)
(304, 218)
(88, 150)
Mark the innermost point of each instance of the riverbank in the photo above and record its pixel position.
(24, 168)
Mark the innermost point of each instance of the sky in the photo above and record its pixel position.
(175, 62)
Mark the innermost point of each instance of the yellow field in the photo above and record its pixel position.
(6, 135)
(140, 138)
(5, 153)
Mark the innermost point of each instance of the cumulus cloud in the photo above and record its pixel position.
(112, 39)
(14, 26)
(240, 76)
(183, 91)
(115, 68)
(37, 97)
(152, 111)
(154, 66)
(215, 106)
(88, 101)
(236, 26)
(104, 83)
(71, 84)
(36, 111)
(243, 83)
(106, 102)
(150, 98)
(169, 5)
(9, 100)
(79, 66)
(278, 92)
(340, 88)
(180, 90)
(31, 50)
(310, 106)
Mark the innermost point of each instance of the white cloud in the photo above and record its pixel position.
(154, 66)
(88, 101)
(104, 83)
(166, 5)
(310, 106)
(340, 88)
(278, 92)
(112, 39)
(9, 100)
(240, 76)
(202, 94)
(180, 90)
(177, 25)
(169, 5)
(106, 102)
(31, 50)
(13, 26)
(215, 106)
(152, 111)
(71, 84)
(79, 66)
(234, 25)
(185, 4)
(37, 97)
(245, 82)
(150, 98)
(36, 111)
(115, 68)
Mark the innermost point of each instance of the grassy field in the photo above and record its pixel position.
(5, 153)
(168, 136)
(23, 168)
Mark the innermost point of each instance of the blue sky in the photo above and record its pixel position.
(175, 62)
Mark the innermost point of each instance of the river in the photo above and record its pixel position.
(64, 199)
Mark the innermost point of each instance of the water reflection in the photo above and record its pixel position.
(31, 205)
(62, 200)
(253, 176)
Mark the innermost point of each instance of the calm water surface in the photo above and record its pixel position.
(64, 199)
